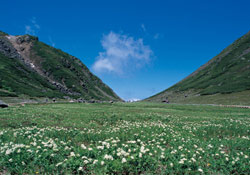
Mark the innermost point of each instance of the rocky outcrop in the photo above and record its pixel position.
(7, 48)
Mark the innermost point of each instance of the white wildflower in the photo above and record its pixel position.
(83, 146)
(72, 154)
(200, 170)
(60, 163)
(124, 160)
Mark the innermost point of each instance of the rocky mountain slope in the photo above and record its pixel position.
(225, 79)
(31, 68)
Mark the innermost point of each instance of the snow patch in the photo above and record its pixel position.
(32, 65)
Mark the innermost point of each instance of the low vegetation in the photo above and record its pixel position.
(16, 79)
(227, 73)
(120, 138)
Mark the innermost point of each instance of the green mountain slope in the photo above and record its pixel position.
(225, 79)
(31, 68)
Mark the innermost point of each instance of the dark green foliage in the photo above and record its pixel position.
(7, 94)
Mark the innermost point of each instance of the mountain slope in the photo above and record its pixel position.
(31, 68)
(221, 80)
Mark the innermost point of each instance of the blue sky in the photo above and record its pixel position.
(138, 48)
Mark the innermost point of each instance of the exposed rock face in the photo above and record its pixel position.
(7, 48)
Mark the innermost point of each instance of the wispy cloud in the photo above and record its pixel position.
(33, 27)
(143, 27)
(122, 54)
(149, 34)
(51, 42)
(156, 36)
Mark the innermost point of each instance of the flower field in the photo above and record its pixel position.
(136, 138)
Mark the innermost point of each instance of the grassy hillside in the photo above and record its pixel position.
(227, 73)
(31, 68)
(71, 72)
(122, 138)
(16, 79)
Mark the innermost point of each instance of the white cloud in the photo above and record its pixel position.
(122, 54)
(32, 28)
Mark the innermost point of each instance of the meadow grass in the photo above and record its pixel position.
(124, 138)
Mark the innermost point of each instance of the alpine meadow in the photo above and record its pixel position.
(125, 87)
(136, 138)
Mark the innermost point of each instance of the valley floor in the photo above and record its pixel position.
(124, 138)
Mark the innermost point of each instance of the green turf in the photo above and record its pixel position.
(124, 138)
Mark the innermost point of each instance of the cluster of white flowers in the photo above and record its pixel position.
(169, 144)
(108, 157)
(121, 152)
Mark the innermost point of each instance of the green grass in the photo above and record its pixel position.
(16, 79)
(237, 98)
(226, 73)
(124, 138)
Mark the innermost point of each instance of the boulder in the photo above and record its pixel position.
(165, 101)
(80, 100)
(91, 101)
(3, 105)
